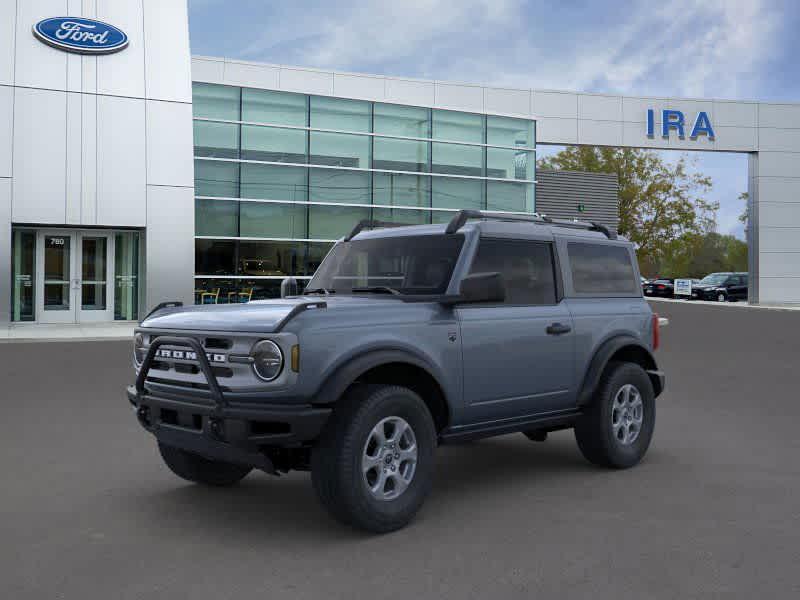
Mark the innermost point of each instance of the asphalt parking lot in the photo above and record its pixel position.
(88, 511)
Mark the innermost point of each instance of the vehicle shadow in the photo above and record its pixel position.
(287, 508)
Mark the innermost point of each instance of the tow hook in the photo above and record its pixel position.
(216, 428)
(143, 414)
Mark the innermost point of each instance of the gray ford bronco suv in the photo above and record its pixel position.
(408, 337)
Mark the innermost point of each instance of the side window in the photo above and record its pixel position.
(527, 269)
(601, 269)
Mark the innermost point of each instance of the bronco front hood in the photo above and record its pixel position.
(260, 316)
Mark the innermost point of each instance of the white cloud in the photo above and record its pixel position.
(686, 47)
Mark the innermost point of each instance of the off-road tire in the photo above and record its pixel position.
(199, 469)
(336, 458)
(593, 430)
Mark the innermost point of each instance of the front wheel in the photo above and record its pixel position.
(199, 469)
(616, 428)
(373, 465)
(721, 297)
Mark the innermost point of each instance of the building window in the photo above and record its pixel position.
(278, 108)
(344, 160)
(23, 261)
(126, 276)
(215, 101)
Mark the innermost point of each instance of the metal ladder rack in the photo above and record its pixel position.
(461, 217)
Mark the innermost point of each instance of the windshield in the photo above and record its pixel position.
(420, 264)
(714, 279)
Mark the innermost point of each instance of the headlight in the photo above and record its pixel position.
(267, 360)
(138, 348)
(720, 289)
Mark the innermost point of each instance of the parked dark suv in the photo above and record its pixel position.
(722, 287)
(407, 338)
(660, 288)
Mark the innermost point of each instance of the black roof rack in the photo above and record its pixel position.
(462, 216)
(370, 224)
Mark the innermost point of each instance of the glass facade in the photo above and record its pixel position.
(279, 176)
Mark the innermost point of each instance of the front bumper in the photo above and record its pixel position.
(232, 433)
(215, 427)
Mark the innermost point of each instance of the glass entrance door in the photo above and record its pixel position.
(94, 289)
(55, 274)
(74, 272)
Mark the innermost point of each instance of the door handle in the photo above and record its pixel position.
(558, 329)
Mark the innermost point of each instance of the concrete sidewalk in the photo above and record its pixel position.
(86, 332)
(738, 304)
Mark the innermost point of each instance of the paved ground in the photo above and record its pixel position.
(88, 512)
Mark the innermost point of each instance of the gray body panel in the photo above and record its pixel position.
(493, 363)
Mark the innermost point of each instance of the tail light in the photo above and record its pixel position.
(656, 332)
(661, 287)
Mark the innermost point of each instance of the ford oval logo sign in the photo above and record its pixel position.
(76, 34)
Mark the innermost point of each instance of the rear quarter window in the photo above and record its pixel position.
(599, 269)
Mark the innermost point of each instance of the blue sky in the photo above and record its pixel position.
(740, 49)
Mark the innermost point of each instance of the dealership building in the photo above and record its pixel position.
(133, 173)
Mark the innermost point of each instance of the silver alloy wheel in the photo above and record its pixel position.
(721, 298)
(627, 414)
(389, 458)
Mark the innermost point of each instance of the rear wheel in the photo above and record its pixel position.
(616, 428)
(373, 465)
(199, 469)
(721, 297)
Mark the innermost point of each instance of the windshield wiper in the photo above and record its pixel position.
(376, 289)
(320, 290)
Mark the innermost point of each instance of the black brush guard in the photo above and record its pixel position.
(226, 430)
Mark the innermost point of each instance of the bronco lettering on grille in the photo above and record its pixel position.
(188, 355)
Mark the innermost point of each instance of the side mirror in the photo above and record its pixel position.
(482, 287)
(288, 287)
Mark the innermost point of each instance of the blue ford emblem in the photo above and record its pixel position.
(76, 34)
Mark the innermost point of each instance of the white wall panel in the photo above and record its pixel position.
(600, 133)
(121, 169)
(779, 115)
(358, 86)
(634, 109)
(779, 189)
(507, 102)
(6, 128)
(169, 245)
(464, 97)
(635, 135)
(779, 164)
(555, 104)
(735, 114)
(557, 131)
(36, 64)
(250, 75)
(779, 264)
(779, 239)
(122, 73)
(169, 143)
(779, 290)
(408, 91)
(779, 214)
(204, 69)
(39, 156)
(8, 23)
(74, 159)
(306, 81)
(781, 140)
(599, 108)
(166, 37)
(738, 139)
(89, 159)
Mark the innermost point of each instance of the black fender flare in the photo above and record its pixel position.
(602, 357)
(345, 374)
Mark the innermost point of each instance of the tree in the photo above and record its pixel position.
(660, 202)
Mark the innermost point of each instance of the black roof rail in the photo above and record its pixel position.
(370, 224)
(462, 216)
